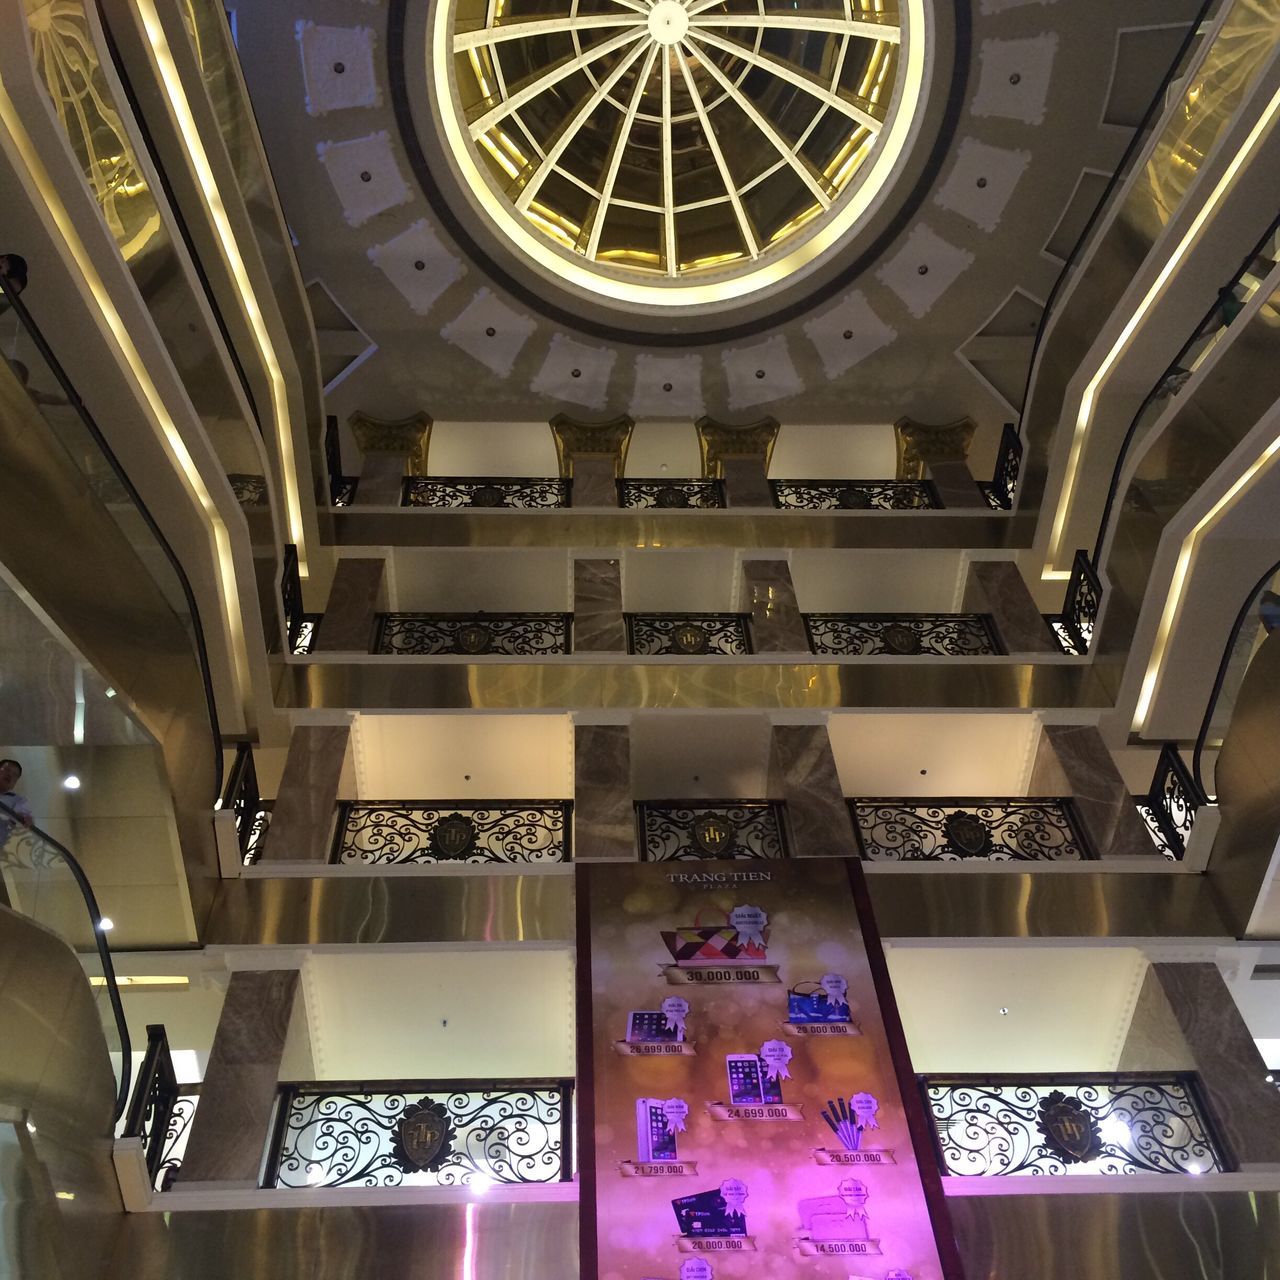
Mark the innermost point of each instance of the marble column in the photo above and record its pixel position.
(956, 485)
(232, 1123)
(1154, 1041)
(802, 771)
(391, 450)
(604, 823)
(594, 455)
(776, 624)
(740, 457)
(942, 453)
(1073, 760)
(997, 587)
(302, 816)
(350, 611)
(597, 607)
(1232, 1072)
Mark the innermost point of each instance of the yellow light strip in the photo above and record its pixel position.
(146, 980)
(1083, 419)
(189, 136)
(129, 355)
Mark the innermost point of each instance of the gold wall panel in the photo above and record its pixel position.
(383, 684)
(350, 908)
(1185, 1235)
(650, 528)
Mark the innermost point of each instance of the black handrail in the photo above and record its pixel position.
(104, 952)
(153, 1100)
(1220, 679)
(87, 421)
(1174, 368)
(1136, 142)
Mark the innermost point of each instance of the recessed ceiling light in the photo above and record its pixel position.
(106, 924)
(110, 693)
(71, 782)
(1003, 1011)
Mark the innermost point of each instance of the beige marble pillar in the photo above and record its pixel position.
(956, 485)
(776, 624)
(390, 450)
(350, 612)
(597, 607)
(231, 1126)
(604, 824)
(1232, 1072)
(739, 456)
(802, 771)
(302, 816)
(1073, 760)
(941, 452)
(1154, 1041)
(593, 455)
(997, 587)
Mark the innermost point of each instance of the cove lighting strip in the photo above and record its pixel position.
(1085, 416)
(128, 355)
(198, 158)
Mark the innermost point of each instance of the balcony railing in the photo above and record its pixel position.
(671, 494)
(416, 1133)
(678, 830)
(1169, 807)
(958, 830)
(160, 1111)
(854, 495)
(688, 634)
(512, 635)
(407, 831)
(518, 494)
(999, 490)
(241, 797)
(1003, 1126)
(342, 487)
(1075, 625)
(951, 635)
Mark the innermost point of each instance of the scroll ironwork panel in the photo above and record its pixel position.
(176, 1134)
(249, 490)
(689, 634)
(671, 494)
(1003, 1126)
(1074, 626)
(252, 813)
(861, 635)
(681, 830)
(999, 491)
(1169, 807)
(854, 495)
(152, 1103)
(342, 490)
(513, 635)
(422, 1133)
(396, 831)
(485, 491)
(952, 830)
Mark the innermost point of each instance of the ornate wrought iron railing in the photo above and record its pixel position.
(300, 626)
(855, 495)
(951, 635)
(688, 634)
(999, 490)
(690, 829)
(342, 488)
(955, 830)
(154, 1098)
(485, 491)
(1001, 1126)
(671, 494)
(391, 831)
(392, 1133)
(249, 490)
(242, 798)
(514, 635)
(1074, 626)
(1169, 807)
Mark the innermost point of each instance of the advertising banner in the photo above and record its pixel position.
(740, 1107)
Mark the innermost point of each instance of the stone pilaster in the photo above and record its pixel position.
(604, 826)
(349, 614)
(597, 607)
(802, 771)
(740, 457)
(232, 1123)
(776, 624)
(593, 455)
(997, 587)
(1232, 1073)
(391, 450)
(1073, 760)
(302, 815)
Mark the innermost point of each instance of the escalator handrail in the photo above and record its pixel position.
(100, 942)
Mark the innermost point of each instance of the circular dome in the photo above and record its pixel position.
(675, 153)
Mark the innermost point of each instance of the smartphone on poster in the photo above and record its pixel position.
(749, 1082)
(655, 1139)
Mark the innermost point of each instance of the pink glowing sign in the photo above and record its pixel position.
(753, 1126)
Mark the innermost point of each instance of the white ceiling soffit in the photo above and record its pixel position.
(847, 334)
(1000, 351)
(667, 386)
(419, 266)
(1013, 79)
(491, 331)
(365, 176)
(923, 269)
(1075, 216)
(337, 68)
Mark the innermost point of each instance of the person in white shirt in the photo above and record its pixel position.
(10, 772)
